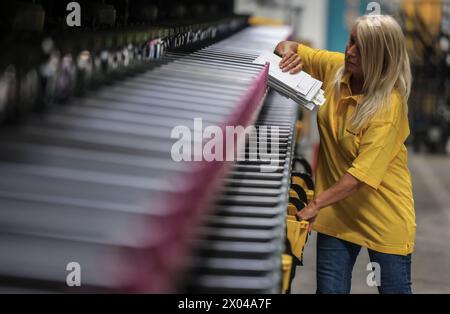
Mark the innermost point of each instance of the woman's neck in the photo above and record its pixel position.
(356, 84)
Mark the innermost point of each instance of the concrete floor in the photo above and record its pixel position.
(431, 260)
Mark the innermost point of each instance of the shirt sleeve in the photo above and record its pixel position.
(380, 144)
(319, 62)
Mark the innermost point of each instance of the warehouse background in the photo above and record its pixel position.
(325, 24)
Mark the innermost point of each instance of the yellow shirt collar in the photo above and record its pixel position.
(345, 80)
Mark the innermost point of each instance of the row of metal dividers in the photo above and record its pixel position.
(301, 193)
(300, 190)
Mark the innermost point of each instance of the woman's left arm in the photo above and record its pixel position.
(344, 188)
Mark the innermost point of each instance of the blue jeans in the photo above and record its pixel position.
(335, 261)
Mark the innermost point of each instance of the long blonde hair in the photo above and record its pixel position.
(385, 65)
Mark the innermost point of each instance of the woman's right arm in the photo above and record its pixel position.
(290, 61)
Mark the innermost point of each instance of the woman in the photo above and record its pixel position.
(364, 192)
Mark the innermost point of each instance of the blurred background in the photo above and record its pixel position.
(51, 73)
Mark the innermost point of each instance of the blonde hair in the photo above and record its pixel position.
(385, 66)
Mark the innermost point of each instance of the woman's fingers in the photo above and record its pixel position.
(291, 61)
(294, 67)
(294, 62)
(307, 214)
(287, 59)
(297, 69)
(303, 215)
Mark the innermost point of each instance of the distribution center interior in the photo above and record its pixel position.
(98, 170)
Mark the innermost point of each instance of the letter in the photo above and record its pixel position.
(208, 305)
(73, 279)
(216, 144)
(274, 150)
(198, 139)
(181, 150)
(374, 8)
(252, 144)
(200, 304)
(74, 17)
(374, 277)
(263, 144)
(231, 145)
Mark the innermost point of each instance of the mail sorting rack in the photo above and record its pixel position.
(228, 275)
(255, 40)
(93, 182)
(246, 45)
(238, 249)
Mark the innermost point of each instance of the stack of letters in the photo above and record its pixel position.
(301, 88)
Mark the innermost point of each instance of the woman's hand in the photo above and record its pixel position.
(290, 61)
(309, 213)
(345, 187)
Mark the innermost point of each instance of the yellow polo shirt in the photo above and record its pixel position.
(380, 216)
